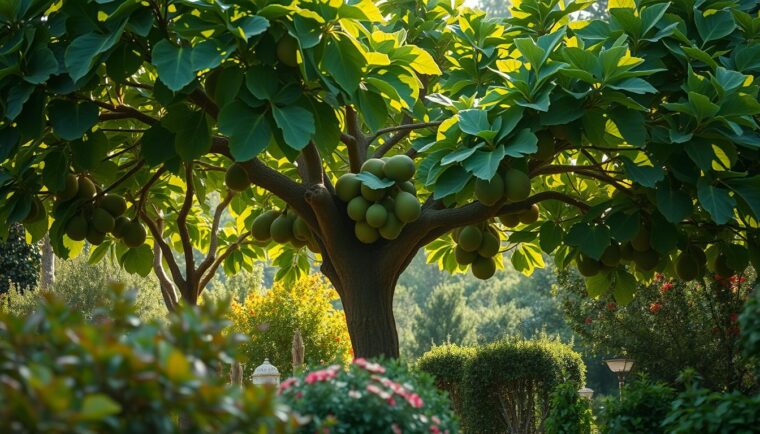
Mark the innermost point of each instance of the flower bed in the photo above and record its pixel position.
(368, 397)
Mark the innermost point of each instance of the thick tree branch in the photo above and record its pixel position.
(476, 212)
(157, 234)
(187, 245)
(214, 242)
(357, 148)
(313, 164)
(587, 171)
(167, 288)
(123, 177)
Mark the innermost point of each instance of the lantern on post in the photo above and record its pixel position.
(585, 392)
(266, 373)
(620, 367)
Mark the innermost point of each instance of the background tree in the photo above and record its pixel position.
(670, 326)
(589, 142)
(19, 262)
(271, 316)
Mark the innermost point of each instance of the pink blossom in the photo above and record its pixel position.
(436, 420)
(415, 400)
(287, 384)
(391, 401)
(374, 368)
(371, 388)
(322, 375)
(396, 429)
(434, 429)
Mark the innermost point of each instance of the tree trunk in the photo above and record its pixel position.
(47, 276)
(366, 281)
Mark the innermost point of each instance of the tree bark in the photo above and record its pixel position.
(47, 276)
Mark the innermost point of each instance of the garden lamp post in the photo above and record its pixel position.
(620, 367)
(586, 392)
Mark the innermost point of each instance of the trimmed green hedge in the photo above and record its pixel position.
(505, 386)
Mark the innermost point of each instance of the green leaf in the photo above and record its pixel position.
(526, 258)
(592, 240)
(451, 181)
(473, 121)
(55, 170)
(674, 204)
(84, 50)
(748, 190)
(534, 54)
(484, 164)
(623, 227)
(716, 201)
(418, 59)
(249, 132)
(138, 260)
(157, 145)
(373, 182)
(647, 176)
(373, 109)
(17, 96)
(634, 85)
(663, 236)
(209, 54)
(262, 82)
(98, 406)
(228, 86)
(251, 25)
(70, 119)
(174, 64)
(192, 134)
(702, 106)
(523, 143)
(296, 123)
(598, 285)
(551, 235)
(625, 287)
(344, 62)
(88, 152)
(714, 26)
(124, 61)
(40, 65)
(99, 253)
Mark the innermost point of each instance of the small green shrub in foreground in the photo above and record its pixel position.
(60, 373)
(643, 407)
(569, 413)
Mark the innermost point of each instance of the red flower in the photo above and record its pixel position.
(611, 306)
(369, 366)
(667, 286)
(655, 307)
(434, 429)
(287, 384)
(588, 320)
(415, 400)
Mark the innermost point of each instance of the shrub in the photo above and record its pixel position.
(749, 325)
(83, 287)
(368, 397)
(62, 374)
(271, 318)
(701, 410)
(19, 261)
(568, 412)
(642, 408)
(447, 365)
(670, 325)
(504, 386)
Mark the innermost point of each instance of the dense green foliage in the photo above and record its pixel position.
(670, 325)
(19, 262)
(271, 317)
(569, 413)
(367, 398)
(702, 410)
(82, 287)
(63, 374)
(642, 409)
(506, 385)
(626, 145)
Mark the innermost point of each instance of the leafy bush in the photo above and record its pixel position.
(368, 397)
(447, 365)
(19, 261)
(83, 287)
(749, 325)
(60, 373)
(670, 325)
(271, 318)
(504, 386)
(568, 412)
(642, 408)
(701, 410)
